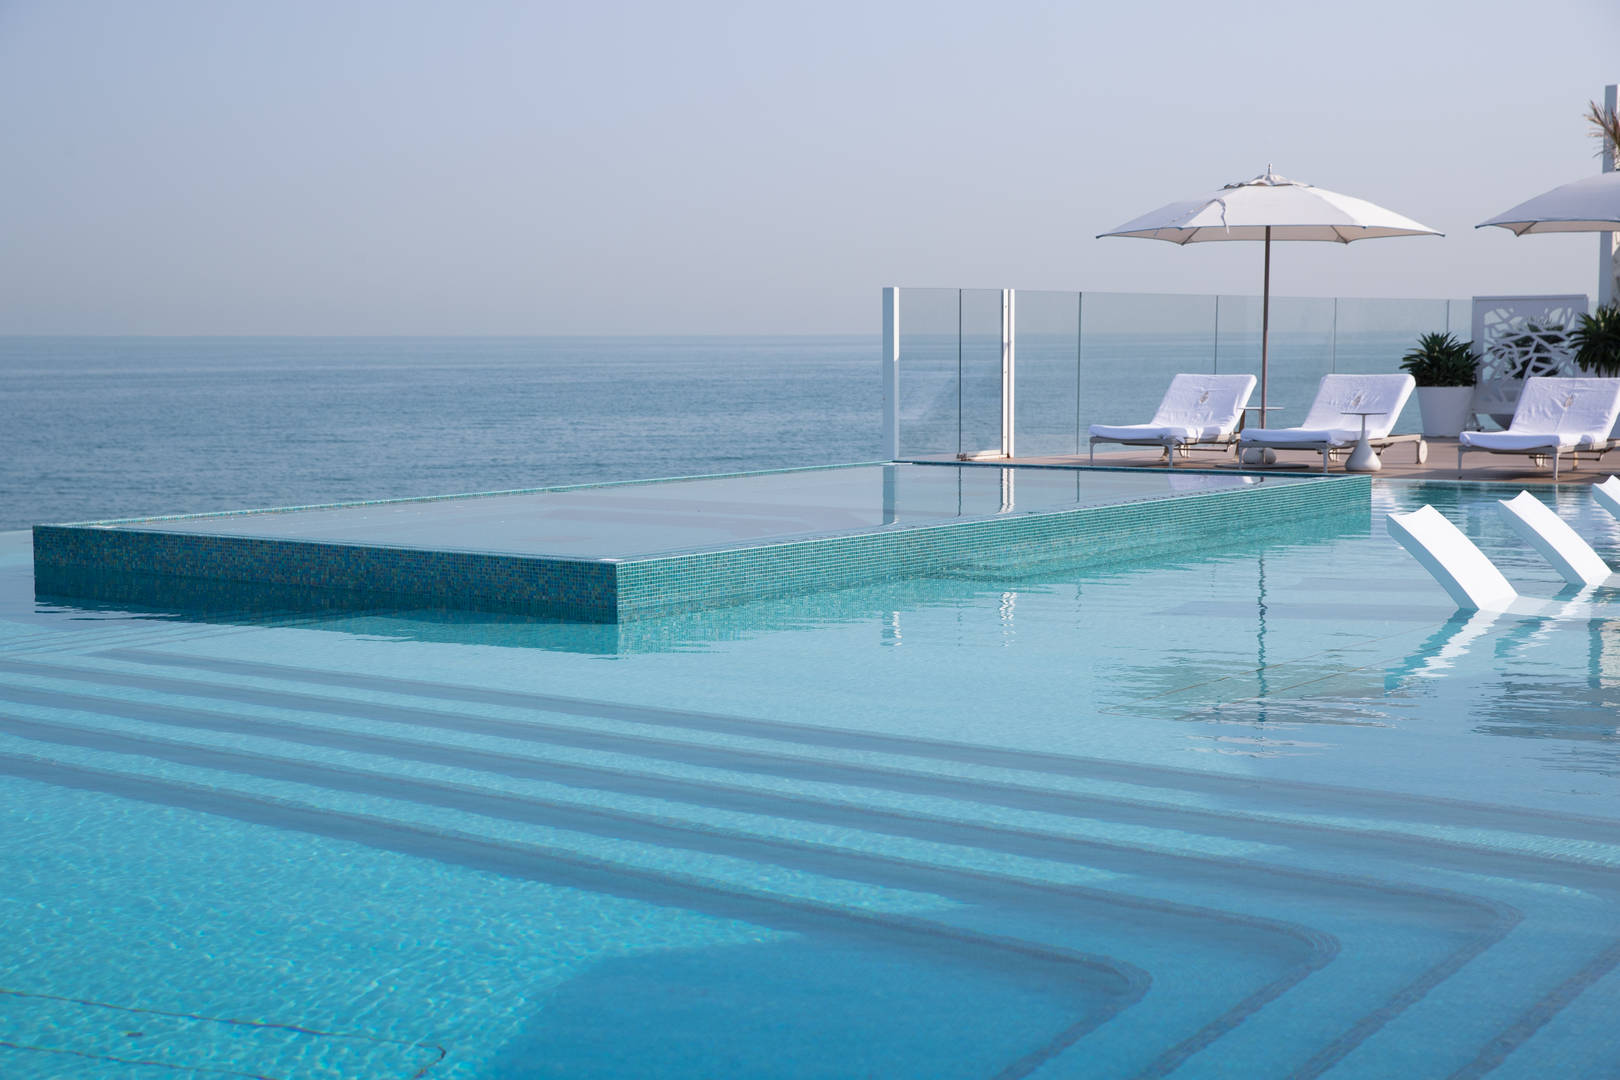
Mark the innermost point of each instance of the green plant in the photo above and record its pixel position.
(1441, 360)
(1597, 342)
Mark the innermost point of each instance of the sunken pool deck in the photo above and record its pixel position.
(621, 552)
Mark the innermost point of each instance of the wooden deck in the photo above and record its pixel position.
(1399, 464)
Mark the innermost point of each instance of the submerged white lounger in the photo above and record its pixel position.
(1555, 416)
(1197, 410)
(1608, 495)
(1471, 579)
(1328, 427)
(1559, 544)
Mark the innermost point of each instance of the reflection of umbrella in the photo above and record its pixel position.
(1590, 205)
(1270, 208)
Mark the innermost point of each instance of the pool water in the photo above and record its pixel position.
(1271, 812)
(712, 513)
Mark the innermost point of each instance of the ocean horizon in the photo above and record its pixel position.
(106, 427)
(131, 426)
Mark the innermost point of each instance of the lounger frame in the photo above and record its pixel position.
(1328, 449)
(1539, 454)
(1171, 444)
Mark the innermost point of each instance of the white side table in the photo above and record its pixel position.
(1362, 458)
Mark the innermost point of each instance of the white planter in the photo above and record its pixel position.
(1445, 410)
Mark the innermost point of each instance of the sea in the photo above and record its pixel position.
(107, 427)
(96, 428)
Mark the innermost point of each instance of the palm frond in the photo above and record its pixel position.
(1605, 128)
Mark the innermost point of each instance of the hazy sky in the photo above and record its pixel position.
(396, 167)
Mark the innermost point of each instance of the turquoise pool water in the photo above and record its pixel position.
(1271, 812)
(660, 517)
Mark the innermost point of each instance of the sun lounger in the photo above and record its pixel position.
(1462, 569)
(1551, 536)
(1555, 416)
(1608, 495)
(1328, 427)
(1473, 581)
(1197, 410)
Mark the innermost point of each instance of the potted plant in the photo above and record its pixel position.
(1597, 342)
(1444, 369)
(1597, 345)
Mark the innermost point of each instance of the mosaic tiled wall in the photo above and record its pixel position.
(128, 564)
(1086, 536)
(164, 568)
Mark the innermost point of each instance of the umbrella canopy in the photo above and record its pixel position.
(1267, 208)
(1590, 205)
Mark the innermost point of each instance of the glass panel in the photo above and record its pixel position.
(1048, 373)
(1131, 345)
(930, 389)
(1373, 335)
(981, 372)
(1300, 353)
(1108, 357)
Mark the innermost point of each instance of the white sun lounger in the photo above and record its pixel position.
(1608, 495)
(1329, 428)
(1469, 576)
(1551, 536)
(1555, 416)
(1473, 580)
(1197, 410)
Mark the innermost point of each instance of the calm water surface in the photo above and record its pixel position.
(114, 427)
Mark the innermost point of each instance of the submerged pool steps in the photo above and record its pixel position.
(850, 832)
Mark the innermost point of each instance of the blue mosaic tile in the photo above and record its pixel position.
(119, 561)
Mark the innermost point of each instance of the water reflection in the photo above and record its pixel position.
(1531, 678)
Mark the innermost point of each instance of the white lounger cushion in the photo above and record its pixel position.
(1195, 408)
(1301, 436)
(1473, 580)
(1328, 423)
(1566, 414)
(1550, 535)
(1514, 440)
(1148, 433)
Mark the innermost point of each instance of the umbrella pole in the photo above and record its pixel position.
(1265, 327)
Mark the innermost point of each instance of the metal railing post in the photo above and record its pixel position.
(1608, 256)
(1008, 374)
(891, 373)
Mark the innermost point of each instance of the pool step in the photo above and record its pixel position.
(1203, 997)
(798, 800)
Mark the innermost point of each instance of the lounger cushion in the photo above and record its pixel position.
(1518, 440)
(1298, 436)
(1386, 393)
(1568, 414)
(1328, 424)
(1195, 408)
(1146, 433)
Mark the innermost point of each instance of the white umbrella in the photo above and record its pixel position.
(1590, 205)
(1270, 207)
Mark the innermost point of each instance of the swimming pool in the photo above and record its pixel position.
(620, 552)
(1268, 811)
